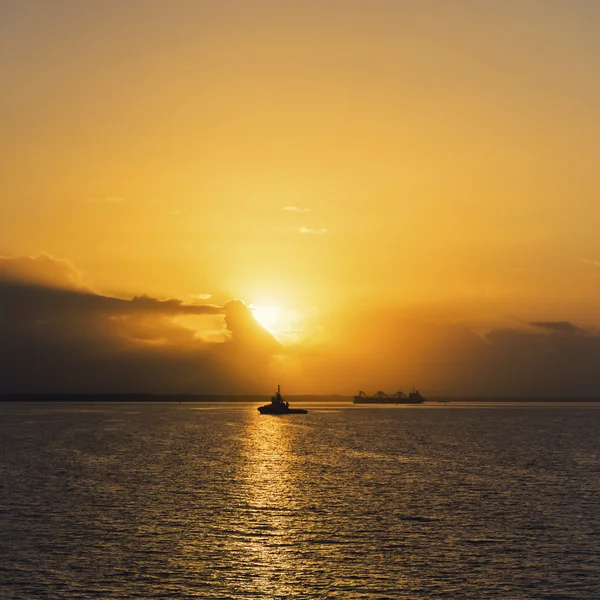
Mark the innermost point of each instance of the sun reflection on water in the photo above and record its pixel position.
(273, 504)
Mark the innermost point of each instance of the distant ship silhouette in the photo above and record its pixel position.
(382, 398)
(279, 406)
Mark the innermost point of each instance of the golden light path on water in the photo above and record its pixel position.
(299, 514)
(272, 501)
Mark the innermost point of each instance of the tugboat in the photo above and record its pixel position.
(279, 406)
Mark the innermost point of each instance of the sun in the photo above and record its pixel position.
(267, 316)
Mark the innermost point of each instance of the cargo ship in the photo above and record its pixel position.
(382, 398)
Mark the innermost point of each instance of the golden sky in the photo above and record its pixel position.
(383, 173)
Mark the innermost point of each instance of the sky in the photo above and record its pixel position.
(404, 193)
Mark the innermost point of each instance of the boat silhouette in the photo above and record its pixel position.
(279, 406)
(382, 398)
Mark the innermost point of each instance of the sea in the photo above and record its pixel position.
(206, 500)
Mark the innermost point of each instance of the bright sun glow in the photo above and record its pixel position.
(267, 316)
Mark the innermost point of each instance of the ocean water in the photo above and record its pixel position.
(217, 501)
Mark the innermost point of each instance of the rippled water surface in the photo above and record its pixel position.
(207, 501)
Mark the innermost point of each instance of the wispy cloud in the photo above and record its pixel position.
(590, 261)
(201, 296)
(296, 209)
(558, 326)
(307, 230)
(105, 200)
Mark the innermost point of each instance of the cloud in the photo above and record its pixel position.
(25, 281)
(558, 327)
(309, 231)
(106, 200)
(246, 331)
(296, 209)
(168, 307)
(560, 362)
(43, 269)
(590, 261)
(395, 349)
(60, 336)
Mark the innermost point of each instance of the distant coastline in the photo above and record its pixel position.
(191, 398)
(162, 398)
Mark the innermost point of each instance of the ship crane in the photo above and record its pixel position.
(381, 394)
(382, 398)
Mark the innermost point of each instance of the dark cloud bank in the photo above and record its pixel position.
(59, 336)
(384, 350)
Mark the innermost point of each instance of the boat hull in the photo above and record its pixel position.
(268, 410)
(367, 400)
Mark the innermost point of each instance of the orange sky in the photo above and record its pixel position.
(434, 162)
